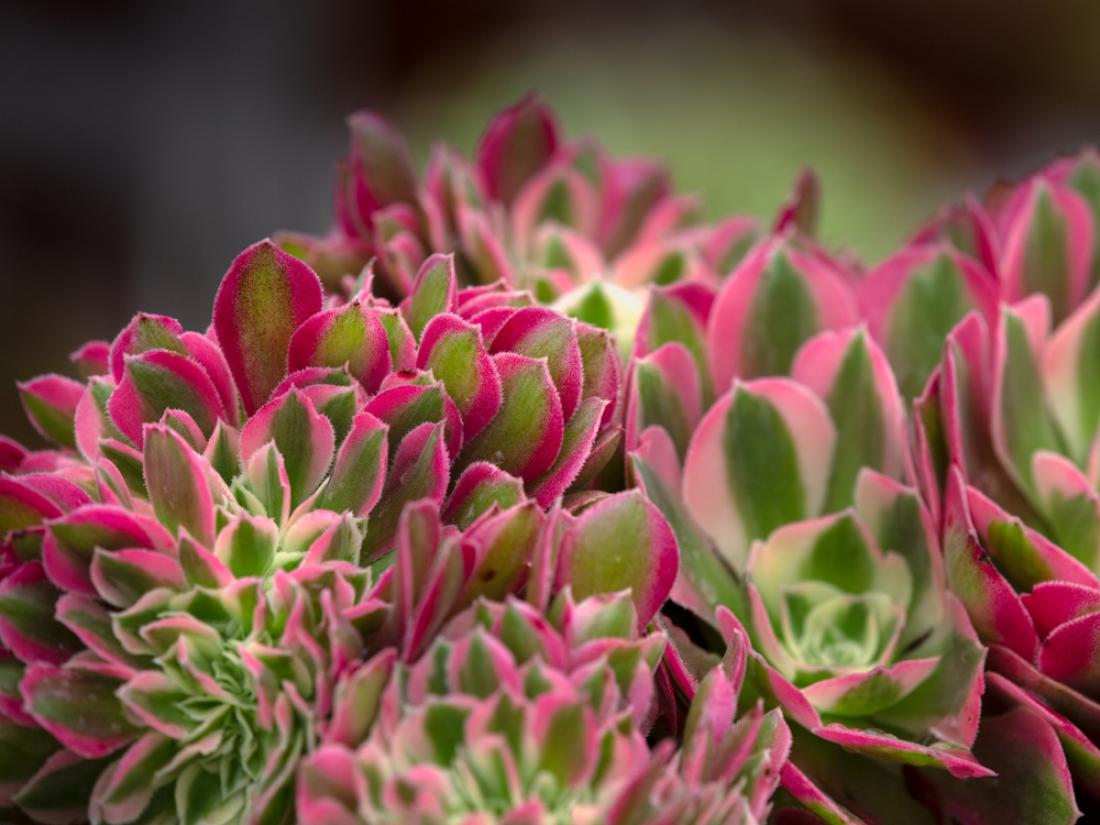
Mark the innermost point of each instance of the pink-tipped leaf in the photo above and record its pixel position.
(623, 542)
(351, 335)
(265, 296)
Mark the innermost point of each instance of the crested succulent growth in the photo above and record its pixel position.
(524, 496)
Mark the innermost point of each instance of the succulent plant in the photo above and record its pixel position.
(565, 219)
(470, 395)
(914, 298)
(839, 585)
(399, 539)
(173, 659)
(1009, 435)
(518, 716)
(189, 575)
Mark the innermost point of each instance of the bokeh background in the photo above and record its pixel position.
(142, 145)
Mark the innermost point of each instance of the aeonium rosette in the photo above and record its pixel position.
(469, 396)
(1010, 437)
(518, 716)
(828, 559)
(185, 661)
(528, 198)
(1038, 237)
(194, 627)
(578, 227)
(182, 682)
(287, 437)
(794, 481)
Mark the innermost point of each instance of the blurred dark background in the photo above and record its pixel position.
(142, 145)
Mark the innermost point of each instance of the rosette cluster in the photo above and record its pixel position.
(520, 716)
(565, 219)
(223, 532)
(524, 496)
(901, 471)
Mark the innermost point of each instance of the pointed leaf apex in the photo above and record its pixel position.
(263, 298)
(519, 141)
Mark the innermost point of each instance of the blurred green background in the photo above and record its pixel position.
(734, 115)
(144, 145)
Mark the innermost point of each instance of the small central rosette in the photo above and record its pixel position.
(831, 610)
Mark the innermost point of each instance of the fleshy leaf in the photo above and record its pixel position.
(59, 792)
(50, 403)
(161, 380)
(402, 341)
(773, 302)
(72, 540)
(358, 697)
(526, 435)
(901, 524)
(759, 459)
(481, 486)
(381, 157)
(177, 483)
(351, 335)
(1071, 654)
(601, 366)
(505, 543)
(539, 332)
(704, 581)
(22, 506)
(122, 577)
(453, 350)
(27, 624)
(665, 391)
(884, 746)
(145, 332)
(90, 621)
(1069, 375)
(678, 314)
(247, 545)
(420, 471)
(866, 693)
(623, 542)
(1070, 505)
(1032, 784)
(1048, 247)
(303, 436)
(1021, 425)
(405, 406)
(801, 210)
(852, 375)
(994, 607)
(517, 143)
(125, 789)
(360, 469)
(79, 708)
(92, 358)
(915, 298)
(265, 296)
(577, 440)
(434, 292)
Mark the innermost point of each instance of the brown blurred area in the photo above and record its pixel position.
(143, 144)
